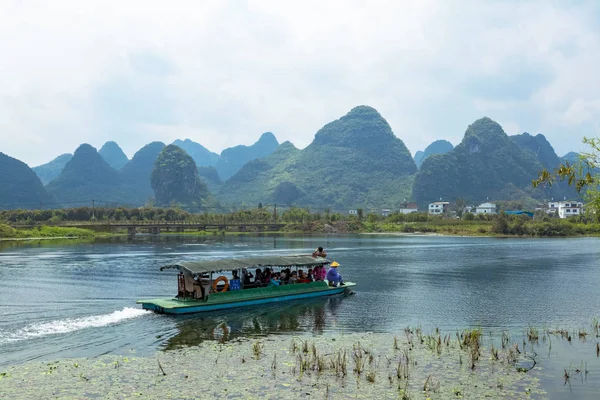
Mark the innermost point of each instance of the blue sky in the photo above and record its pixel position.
(223, 72)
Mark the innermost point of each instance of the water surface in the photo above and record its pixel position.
(71, 299)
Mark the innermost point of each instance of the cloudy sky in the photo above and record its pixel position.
(222, 72)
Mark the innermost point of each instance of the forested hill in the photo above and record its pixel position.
(175, 180)
(437, 147)
(571, 157)
(20, 187)
(539, 146)
(353, 161)
(51, 170)
(200, 154)
(113, 155)
(487, 163)
(86, 176)
(234, 158)
(136, 173)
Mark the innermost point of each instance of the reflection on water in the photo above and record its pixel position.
(291, 317)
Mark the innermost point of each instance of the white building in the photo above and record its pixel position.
(408, 208)
(565, 209)
(353, 212)
(385, 212)
(486, 208)
(438, 207)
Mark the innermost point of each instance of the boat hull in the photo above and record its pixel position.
(243, 298)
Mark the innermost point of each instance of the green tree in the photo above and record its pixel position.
(583, 173)
(460, 205)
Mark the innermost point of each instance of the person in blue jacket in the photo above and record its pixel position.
(333, 276)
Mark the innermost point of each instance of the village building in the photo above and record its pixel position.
(565, 209)
(486, 208)
(407, 208)
(439, 207)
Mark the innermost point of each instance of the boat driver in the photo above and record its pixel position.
(319, 252)
(333, 276)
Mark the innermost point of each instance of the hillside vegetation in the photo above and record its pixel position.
(20, 186)
(113, 155)
(51, 170)
(234, 158)
(175, 180)
(437, 147)
(486, 164)
(355, 160)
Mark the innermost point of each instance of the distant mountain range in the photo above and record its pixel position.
(355, 161)
(20, 187)
(50, 171)
(113, 155)
(437, 147)
(487, 164)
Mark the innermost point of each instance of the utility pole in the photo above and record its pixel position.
(93, 211)
(275, 214)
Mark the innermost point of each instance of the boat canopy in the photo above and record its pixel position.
(198, 267)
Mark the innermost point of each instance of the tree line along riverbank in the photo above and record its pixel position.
(50, 223)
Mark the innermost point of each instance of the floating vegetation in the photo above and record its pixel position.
(353, 365)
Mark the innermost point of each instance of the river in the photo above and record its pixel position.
(77, 299)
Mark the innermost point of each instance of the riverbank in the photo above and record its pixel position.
(46, 232)
(456, 227)
(369, 365)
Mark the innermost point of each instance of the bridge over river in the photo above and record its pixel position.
(156, 227)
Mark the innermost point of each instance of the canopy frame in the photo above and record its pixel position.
(229, 264)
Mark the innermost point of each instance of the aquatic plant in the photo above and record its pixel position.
(533, 334)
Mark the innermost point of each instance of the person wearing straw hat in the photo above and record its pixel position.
(333, 276)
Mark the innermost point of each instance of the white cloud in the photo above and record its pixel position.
(223, 72)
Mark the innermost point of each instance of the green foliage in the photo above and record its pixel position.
(487, 163)
(501, 225)
(437, 147)
(7, 231)
(353, 161)
(234, 158)
(302, 219)
(86, 176)
(50, 171)
(113, 155)
(200, 154)
(136, 173)
(20, 185)
(539, 146)
(582, 174)
(175, 179)
(44, 232)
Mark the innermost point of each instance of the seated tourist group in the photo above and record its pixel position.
(267, 277)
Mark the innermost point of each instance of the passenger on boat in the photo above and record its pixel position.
(274, 281)
(283, 276)
(247, 277)
(302, 278)
(319, 252)
(267, 276)
(259, 277)
(293, 278)
(309, 274)
(333, 275)
(191, 285)
(319, 273)
(204, 284)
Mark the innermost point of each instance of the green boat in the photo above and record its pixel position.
(199, 290)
